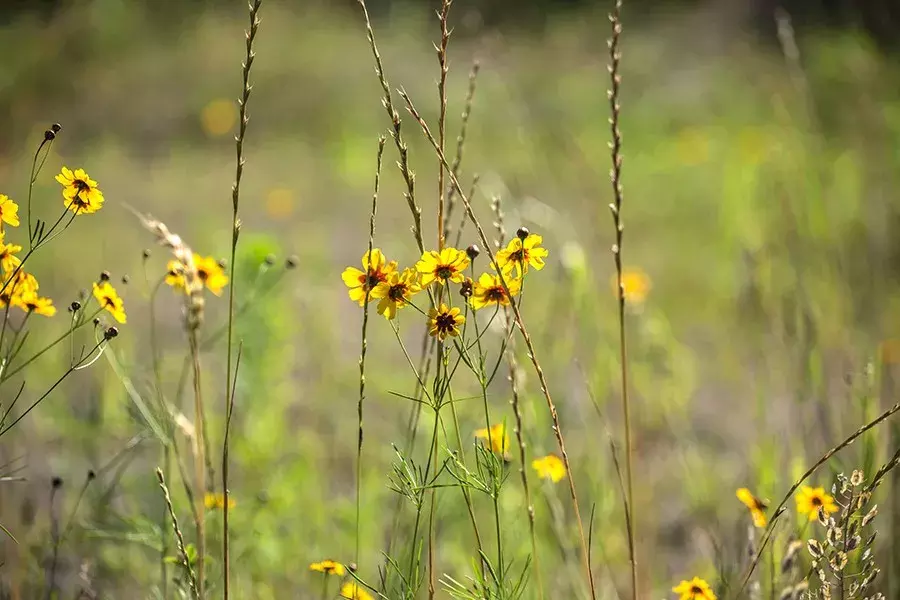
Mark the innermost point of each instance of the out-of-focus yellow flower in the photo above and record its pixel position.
(497, 438)
(522, 254)
(636, 285)
(279, 203)
(109, 299)
(397, 292)
(9, 211)
(447, 265)
(209, 272)
(352, 591)
(489, 291)
(8, 259)
(216, 501)
(757, 507)
(329, 567)
(889, 351)
(695, 589)
(444, 321)
(550, 467)
(29, 301)
(811, 499)
(218, 117)
(80, 192)
(376, 270)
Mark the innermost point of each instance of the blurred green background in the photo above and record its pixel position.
(760, 198)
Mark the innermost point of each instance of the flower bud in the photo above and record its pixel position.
(110, 333)
(472, 252)
(522, 233)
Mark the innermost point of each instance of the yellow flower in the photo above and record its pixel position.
(23, 284)
(757, 507)
(444, 321)
(218, 117)
(352, 591)
(8, 259)
(397, 292)
(636, 285)
(9, 211)
(811, 499)
(488, 290)
(550, 467)
(109, 299)
(329, 567)
(80, 191)
(209, 272)
(29, 301)
(497, 438)
(695, 589)
(522, 254)
(376, 270)
(447, 265)
(217, 501)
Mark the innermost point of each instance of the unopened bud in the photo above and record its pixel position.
(472, 252)
(522, 233)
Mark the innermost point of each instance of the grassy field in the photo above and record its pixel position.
(759, 203)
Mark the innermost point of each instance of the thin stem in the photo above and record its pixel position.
(229, 412)
(362, 352)
(182, 550)
(460, 145)
(616, 209)
(199, 461)
(35, 170)
(250, 35)
(442, 118)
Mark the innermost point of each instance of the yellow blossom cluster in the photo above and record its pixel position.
(19, 288)
(379, 279)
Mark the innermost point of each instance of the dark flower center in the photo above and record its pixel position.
(520, 255)
(109, 302)
(203, 274)
(445, 322)
(816, 501)
(495, 294)
(81, 185)
(397, 293)
(696, 590)
(444, 271)
(375, 277)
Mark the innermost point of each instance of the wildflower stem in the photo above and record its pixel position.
(35, 171)
(186, 561)
(199, 460)
(460, 144)
(229, 412)
(408, 176)
(442, 118)
(250, 35)
(520, 324)
(616, 209)
(363, 347)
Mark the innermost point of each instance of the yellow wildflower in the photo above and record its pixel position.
(109, 299)
(811, 499)
(8, 259)
(80, 191)
(695, 589)
(444, 321)
(636, 285)
(489, 291)
(29, 301)
(376, 270)
(447, 265)
(522, 254)
(397, 292)
(9, 211)
(549, 467)
(14, 289)
(209, 272)
(497, 438)
(329, 567)
(353, 591)
(757, 507)
(217, 501)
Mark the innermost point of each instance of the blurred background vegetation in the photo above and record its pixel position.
(760, 199)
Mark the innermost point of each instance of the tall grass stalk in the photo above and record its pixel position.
(442, 116)
(520, 324)
(250, 35)
(363, 347)
(179, 537)
(616, 210)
